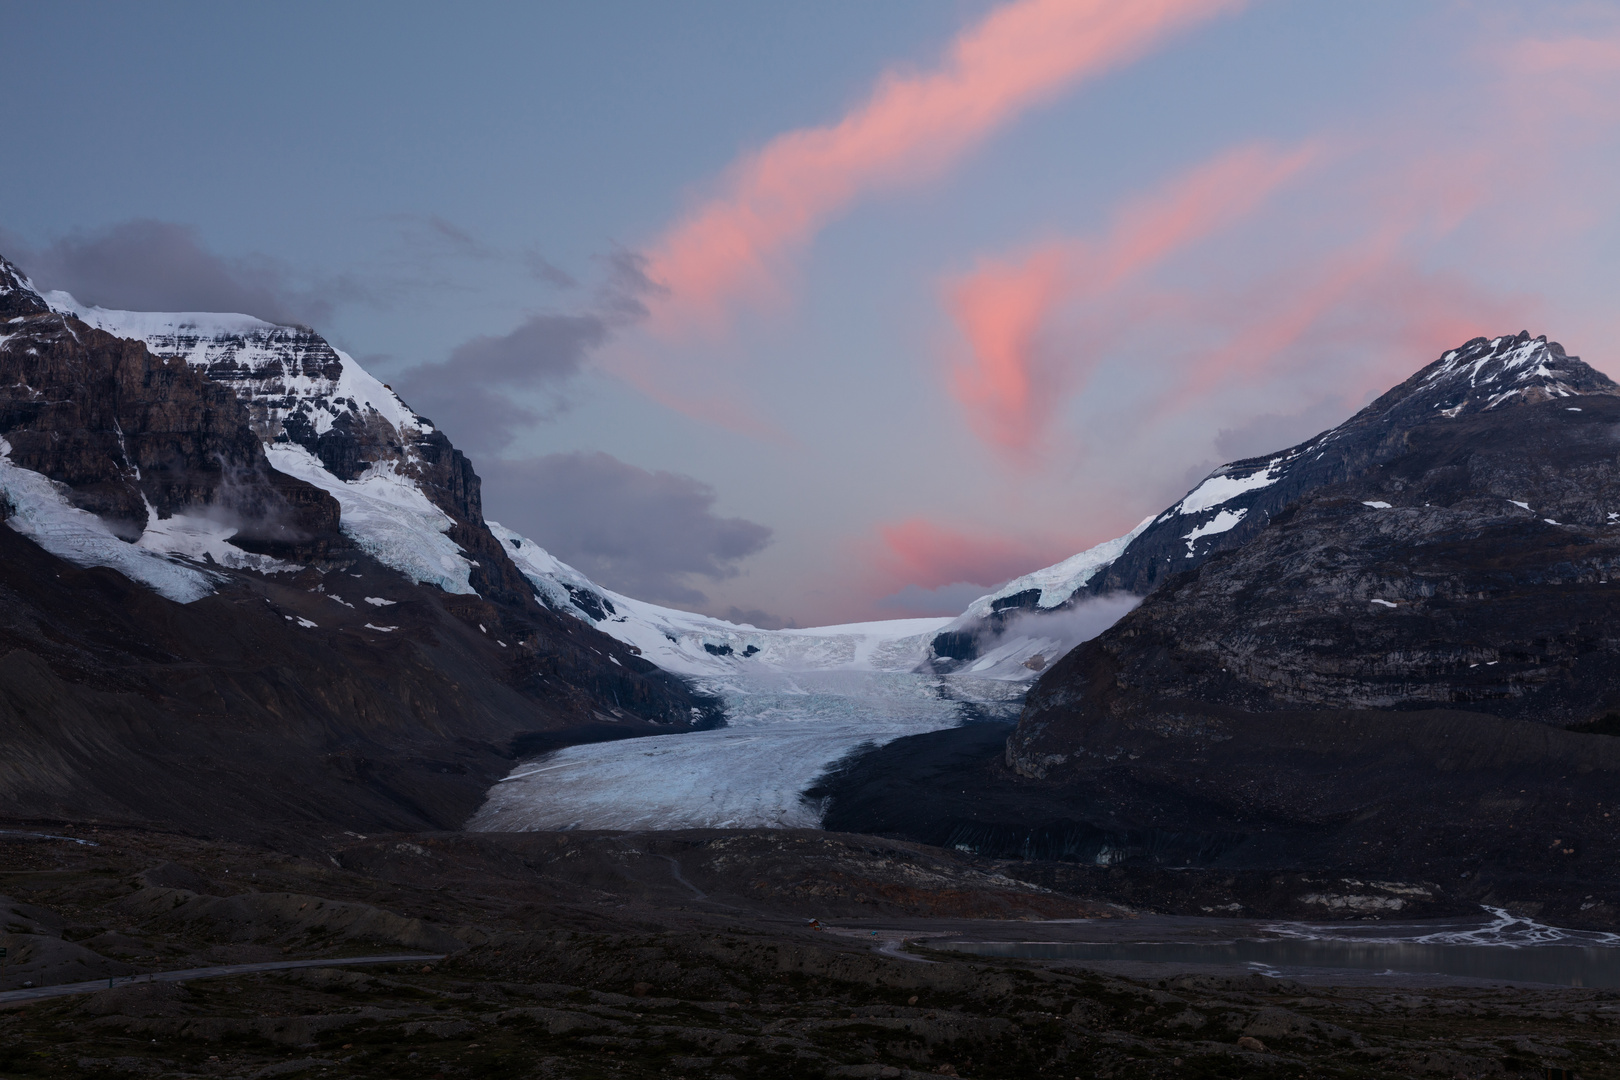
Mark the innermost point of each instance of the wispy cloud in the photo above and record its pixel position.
(730, 248)
(1014, 379)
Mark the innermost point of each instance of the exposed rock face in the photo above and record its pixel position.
(1466, 563)
(300, 391)
(17, 297)
(131, 434)
(1237, 500)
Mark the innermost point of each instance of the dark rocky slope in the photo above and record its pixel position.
(1395, 673)
(274, 706)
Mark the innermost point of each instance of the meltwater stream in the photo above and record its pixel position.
(784, 729)
(1498, 947)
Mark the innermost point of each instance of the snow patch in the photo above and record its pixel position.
(1376, 504)
(1221, 489)
(41, 512)
(1224, 521)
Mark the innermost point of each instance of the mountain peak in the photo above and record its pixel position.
(18, 298)
(1487, 373)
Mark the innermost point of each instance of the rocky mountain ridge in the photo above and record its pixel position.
(354, 634)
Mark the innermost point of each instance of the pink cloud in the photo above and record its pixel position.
(1367, 318)
(910, 127)
(1011, 383)
(920, 552)
(1001, 309)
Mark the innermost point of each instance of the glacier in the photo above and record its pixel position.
(797, 702)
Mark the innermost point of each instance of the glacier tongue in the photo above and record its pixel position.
(785, 730)
(797, 701)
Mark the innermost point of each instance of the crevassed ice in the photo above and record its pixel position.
(198, 537)
(388, 516)
(785, 729)
(796, 702)
(42, 513)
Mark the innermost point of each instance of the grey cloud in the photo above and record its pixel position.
(470, 395)
(1278, 431)
(148, 265)
(624, 289)
(457, 237)
(645, 534)
(545, 348)
(547, 271)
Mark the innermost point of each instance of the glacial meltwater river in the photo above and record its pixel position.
(1493, 947)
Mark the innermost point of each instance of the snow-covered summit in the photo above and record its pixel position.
(293, 381)
(324, 419)
(18, 297)
(1486, 373)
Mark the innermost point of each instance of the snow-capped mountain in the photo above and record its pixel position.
(408, 499)
(324, 419)
(297, 581)
(1236, 501)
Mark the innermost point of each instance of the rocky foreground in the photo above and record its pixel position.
(676, 955)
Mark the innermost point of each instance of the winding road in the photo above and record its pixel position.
(36, 993)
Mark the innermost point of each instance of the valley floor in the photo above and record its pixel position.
(677, 954)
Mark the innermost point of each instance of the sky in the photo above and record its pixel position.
(802, 314)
